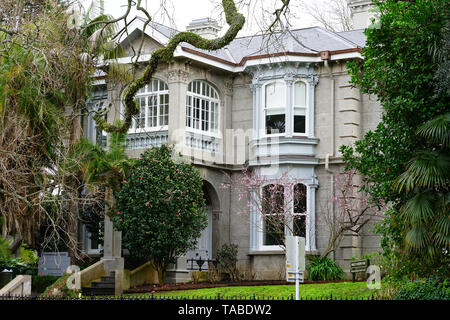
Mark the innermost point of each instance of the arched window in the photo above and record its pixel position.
(274, 215)
(299, 107)
(153, 100)
(275, 107)
(300, 210)
(202, 107)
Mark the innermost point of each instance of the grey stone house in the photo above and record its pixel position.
(281, 101)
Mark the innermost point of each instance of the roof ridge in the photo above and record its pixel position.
(155, 22)
(336, 35)
(299, 42)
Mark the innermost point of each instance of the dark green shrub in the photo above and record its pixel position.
(226, 257)
(432, 288)
(323, 268)
(160, 208)
(40, 283)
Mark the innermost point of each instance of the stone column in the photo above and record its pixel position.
(312, 82)
(289, 129)
(258, 111)
(228, 148)
(112, 247)
(178, 77)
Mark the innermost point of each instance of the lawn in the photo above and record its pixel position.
(344, 290)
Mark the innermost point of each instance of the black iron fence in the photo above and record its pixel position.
(200, 264)
(152, 296)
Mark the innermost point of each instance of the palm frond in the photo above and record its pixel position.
(437, 130)
(416, 238)
(429, 169)
(419, 209)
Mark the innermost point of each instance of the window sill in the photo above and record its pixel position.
(148, 130)
(276, 252)
(209, 134)
(266, 252)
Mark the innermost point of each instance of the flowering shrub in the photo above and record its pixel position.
(160, 208)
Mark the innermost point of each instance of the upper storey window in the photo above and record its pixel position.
(202, 108)
(285, 107)
(275, 107)
(299, 107)
(153, 100)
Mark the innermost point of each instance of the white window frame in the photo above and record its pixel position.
(305, 213)
(146, 93)
(263, 100)
(212, 98)
(289, 108)
(259, 226)
(306, 107)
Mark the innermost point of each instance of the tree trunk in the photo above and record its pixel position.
(162, 272)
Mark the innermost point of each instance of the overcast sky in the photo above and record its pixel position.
(184, 11)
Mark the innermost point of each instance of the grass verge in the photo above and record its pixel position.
(340, 290)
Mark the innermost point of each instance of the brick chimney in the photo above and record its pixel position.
(206, 27)
(360, 13)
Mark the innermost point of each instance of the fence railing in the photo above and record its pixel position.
(153, 296)
(199, 264)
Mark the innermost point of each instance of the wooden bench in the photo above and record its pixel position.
(359, 266)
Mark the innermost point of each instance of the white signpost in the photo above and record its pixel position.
(295, 261)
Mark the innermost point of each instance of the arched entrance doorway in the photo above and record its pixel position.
(204, 249)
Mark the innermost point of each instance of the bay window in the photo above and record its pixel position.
(283, 208)
(285, 107)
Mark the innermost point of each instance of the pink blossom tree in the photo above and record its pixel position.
(280, 202)
(354, 208)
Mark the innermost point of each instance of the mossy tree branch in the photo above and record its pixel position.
(234, 19)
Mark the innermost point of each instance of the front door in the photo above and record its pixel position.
(202, 252)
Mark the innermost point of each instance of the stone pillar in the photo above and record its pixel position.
(178, 77)
(228, 148)
(289, 79)
(312, 82)
(112, 248)
(178, 273)
(258, 111)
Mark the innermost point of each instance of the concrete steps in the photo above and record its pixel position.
(104, 287)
